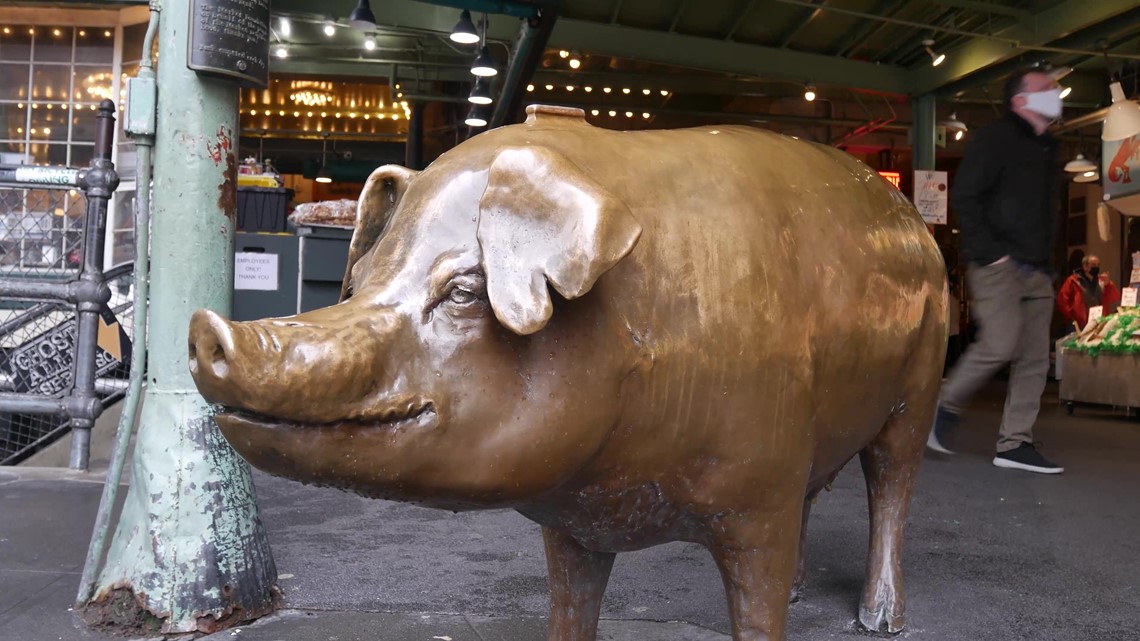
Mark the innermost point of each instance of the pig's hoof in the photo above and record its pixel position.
(881, 620)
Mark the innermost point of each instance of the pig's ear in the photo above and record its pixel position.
(542, 219)
(378, 200)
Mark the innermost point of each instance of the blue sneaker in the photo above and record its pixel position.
(944, 423)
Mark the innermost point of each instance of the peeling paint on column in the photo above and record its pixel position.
(199, 561)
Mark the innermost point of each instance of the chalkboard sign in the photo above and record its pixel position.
(230, 38)
(45, 364)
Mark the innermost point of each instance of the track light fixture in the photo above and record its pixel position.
(935, 57)
(956, 126)
(464, 31)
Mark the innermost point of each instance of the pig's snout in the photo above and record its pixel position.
(211, 352)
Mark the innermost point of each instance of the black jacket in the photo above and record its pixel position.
(1005, 194)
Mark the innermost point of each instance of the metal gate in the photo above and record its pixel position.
(60, 335)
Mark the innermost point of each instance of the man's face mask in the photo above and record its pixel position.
(1094, 271)
(1047, 103)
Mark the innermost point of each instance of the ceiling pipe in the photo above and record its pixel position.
(959, 32)
(533, 36)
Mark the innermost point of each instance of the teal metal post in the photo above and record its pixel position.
(190, 552)
(925, 133)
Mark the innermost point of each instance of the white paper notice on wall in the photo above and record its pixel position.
(931, 195)
(255, 270)
(1128, 297)
(1135, 276)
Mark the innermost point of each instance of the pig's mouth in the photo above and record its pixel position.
(416, 412)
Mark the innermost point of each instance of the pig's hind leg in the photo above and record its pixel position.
(890, 466)
(577, 579)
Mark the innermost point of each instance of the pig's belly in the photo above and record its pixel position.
(618, 521)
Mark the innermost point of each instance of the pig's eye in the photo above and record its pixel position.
(460, 296)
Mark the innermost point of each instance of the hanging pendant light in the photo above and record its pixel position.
(361, 17)
(480, 93)
(1123, 120)
(1088, 177)
(1079, 165)
(323, 175)
(477, 116)
(484, 65)
(464, 31)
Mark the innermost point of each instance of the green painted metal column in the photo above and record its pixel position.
(924, 134)
(190, 552)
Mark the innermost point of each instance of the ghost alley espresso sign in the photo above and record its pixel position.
(45, 365)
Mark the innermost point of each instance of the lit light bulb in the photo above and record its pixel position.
(606, 89)
(369, 42)
(253, 112)
(629, 114)
(281, 52)
(1065, 92)
(56, 32)
(587, 89)
(958, 135)
(625, 90)
(286, 28)
(612, 113)
(809, 93)
(646, 91)
(1087, 174)
(107, 33)
(575, 63)
(664, 92)
(330, 29)
(530, 87)
(563, 54)
(594, 112)
(550, 87)
(645, 115)
(569, 87)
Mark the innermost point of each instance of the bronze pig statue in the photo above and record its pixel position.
(630, 338)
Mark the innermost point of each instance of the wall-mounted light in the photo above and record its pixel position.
(809, 92)
(361, 17)
(464, 31)
(935, 57)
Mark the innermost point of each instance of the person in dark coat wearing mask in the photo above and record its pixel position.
(1005, 196)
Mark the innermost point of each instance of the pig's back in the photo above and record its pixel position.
(766, 266)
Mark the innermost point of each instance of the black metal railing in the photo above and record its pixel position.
(57, 257)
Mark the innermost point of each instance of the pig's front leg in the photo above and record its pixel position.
(577, 579)
(756, 555)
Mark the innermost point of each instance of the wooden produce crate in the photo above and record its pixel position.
(1106, 379)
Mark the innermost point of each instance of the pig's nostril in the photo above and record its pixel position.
(218, 362)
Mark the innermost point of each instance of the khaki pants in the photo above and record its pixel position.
(1014, 309)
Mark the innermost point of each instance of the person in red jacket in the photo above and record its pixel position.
(1084, 289)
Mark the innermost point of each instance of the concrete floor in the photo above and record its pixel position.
(991, 555)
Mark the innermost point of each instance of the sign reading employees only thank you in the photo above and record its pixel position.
(255, 270)
(931, 195)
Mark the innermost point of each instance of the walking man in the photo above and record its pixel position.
(1006, 201)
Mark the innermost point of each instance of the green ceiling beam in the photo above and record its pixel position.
(1061, 20)
(648, 46)
(725, 56)
(983, 7)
